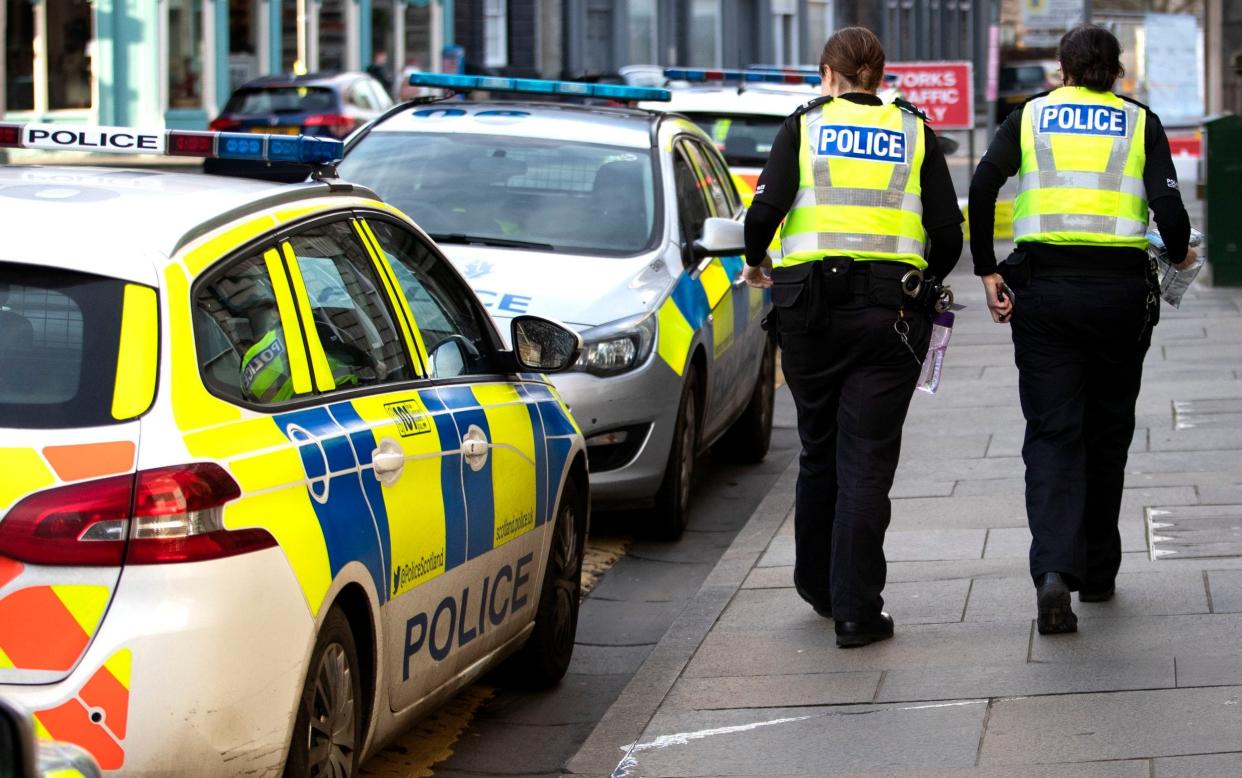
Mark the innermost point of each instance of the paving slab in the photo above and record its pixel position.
(981, 512)
(1122, 725)
(1205, 766)
(705, 550)
(1204, 670)
(610, 623)
(781, 608)
(577, 699)
(807, 741)
(1025, 679)
(813, 650)
(1155, 593)
(765, 691)
(1125, 638)
(607, 660)
(900, 546)
(1226, 589)
(1133, 768)
(651, 580)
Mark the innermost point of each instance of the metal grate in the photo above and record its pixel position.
(1194, 532)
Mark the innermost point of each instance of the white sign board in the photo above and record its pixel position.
(1047, 20)
(1172, 64)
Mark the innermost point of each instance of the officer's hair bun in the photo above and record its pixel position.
(1090, 56)
(856, 55)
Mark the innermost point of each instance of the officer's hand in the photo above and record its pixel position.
(1189, 261)
(999, 302)
(759, 277)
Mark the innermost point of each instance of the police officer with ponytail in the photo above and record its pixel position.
(870, 219)
(1082, 300)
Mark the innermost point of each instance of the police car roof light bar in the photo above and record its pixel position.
(300, 149)
(534, 86)
(697, 75)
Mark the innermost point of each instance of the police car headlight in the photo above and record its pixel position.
(616, 347)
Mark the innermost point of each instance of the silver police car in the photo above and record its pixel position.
(624, 224)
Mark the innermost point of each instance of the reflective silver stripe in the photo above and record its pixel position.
(850, 241)
(821, 173)
(1071, 179)
(1079, 222)
(870, 198)
(901, 173)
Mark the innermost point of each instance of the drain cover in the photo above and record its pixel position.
(1194, 531)
(1189, 414)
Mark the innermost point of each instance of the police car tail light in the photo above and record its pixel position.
(179, 517)
(172, 514)
(80, 524)
(222, 125)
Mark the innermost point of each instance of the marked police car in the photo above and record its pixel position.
(273, 486)
(622, 223)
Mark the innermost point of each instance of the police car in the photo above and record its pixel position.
(273, 485)
(624, 224)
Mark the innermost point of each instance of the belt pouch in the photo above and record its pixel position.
(1015, 269)
(794, 296)
(836, 280)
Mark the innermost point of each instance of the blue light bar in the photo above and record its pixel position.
(173, 143)
(534, 86)
(698, 75)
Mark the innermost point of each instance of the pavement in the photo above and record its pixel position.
(747, 680)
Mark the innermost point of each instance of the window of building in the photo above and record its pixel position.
(289, 41)
(495, 33)
(69, 34)
(642, 32)
(19, 55)
(185, 53)
(332, 36)
(819, 27)
(703, 32)
(244, 28)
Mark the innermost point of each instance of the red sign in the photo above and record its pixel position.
(942, 90)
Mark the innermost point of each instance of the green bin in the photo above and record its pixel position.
(1223, 198)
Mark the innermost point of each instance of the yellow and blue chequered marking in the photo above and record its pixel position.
(685, 311)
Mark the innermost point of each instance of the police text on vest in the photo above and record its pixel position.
(862, 143)
(1082, 120)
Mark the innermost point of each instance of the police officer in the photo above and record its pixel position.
(868, 206)
(1082, 300)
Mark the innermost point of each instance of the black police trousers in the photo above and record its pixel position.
(852, 379)
(1079, 344)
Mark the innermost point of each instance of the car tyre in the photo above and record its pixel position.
(327, 731)
(672, 502)
(542, 662)
(748, 439)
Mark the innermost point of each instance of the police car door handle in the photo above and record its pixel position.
(474, 447)
(388, 461)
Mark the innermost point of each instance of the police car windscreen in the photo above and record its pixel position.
(59, 336)
(744, 140)
(284, 99)
(578, 198)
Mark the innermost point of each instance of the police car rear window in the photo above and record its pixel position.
(743, 140)
(580, 198)
(284, 99)
(59, 337)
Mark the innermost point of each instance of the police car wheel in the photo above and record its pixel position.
(672, 502)
(747, 440)
(542, 662)
(327, 732)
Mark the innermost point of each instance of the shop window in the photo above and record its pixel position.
(332, 36)
(288, 35)
(643, 32)
(68, 60)
(704, 24)
(495, 33)
(243, 41)
(185, 53)
(19, 55)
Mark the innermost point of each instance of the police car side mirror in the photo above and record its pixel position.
(544, 346)
(721, 238)
(16, 742)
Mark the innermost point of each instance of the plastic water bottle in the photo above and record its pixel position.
(942, 330)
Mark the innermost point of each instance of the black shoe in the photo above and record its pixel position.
(1097, 595)
(822, 608)
(1053, 599)
(852, 634)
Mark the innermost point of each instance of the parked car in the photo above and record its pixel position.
(1018, 82)
(329, 105)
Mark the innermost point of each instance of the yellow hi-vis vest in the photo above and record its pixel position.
(1081, 178)
(859, 193)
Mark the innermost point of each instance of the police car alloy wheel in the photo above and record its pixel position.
(546, 655)
(328, 729)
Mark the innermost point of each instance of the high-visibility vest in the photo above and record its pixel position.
(859, 193)
(1081, 178)
(265, 370)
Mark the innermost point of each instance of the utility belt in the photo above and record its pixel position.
(803, 294)
(1076, 261)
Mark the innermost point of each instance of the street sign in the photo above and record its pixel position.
(942, 90)
(1045, 21)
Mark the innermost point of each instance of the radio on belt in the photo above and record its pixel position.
(174, 143)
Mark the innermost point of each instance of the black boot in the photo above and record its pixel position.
(821, 606)
(852, 634)
(1053, 599)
